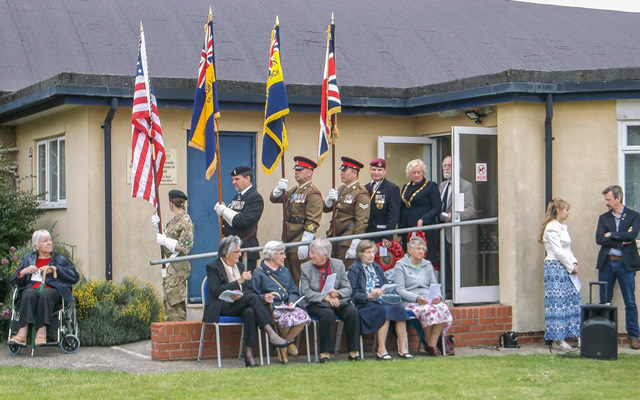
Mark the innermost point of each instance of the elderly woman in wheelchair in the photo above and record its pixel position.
(42, 280)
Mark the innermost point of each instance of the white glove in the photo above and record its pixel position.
(351, 253)
(333, 195)
(303, 251)
(228, 215)
(219, 208)
(167, 242)
(155, 221)
(283, 184)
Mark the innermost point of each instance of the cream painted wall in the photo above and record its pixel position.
(73, 224)
(585, 160)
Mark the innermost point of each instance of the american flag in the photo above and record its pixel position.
(331, 104)
(146, 133)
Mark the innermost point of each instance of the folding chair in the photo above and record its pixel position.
(223, 321)
(416, 325)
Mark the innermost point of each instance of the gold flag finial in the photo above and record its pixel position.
(210, 14)
(331, 17)
(277, 20)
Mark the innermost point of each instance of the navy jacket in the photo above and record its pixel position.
(384, 206)
(358, 279)
(245, 225)
(218, 283)
(607, 223)
(425, 206)
(67, 275)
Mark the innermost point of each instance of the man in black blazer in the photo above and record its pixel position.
(618, 258)
(242, 215)
(385, 201)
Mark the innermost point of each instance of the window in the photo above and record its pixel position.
(51, 173)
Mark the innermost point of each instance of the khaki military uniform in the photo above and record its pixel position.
(304, 211)
(174, 285)
(352, 217)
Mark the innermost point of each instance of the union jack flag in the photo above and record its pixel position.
(146, 133)
(331, 104)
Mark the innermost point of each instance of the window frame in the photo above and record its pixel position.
(61, 158)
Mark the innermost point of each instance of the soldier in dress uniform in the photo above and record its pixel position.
(242, 215)
(352, 210)
(177, 237)
(304, 211)
(385, 201)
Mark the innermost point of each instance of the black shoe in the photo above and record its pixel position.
(250, 365)
(324, 360)
(283, 344)
(406, 356)
(384, 357)
(356, 358)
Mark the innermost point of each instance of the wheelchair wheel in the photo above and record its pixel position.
(70, 344)
(14, 349)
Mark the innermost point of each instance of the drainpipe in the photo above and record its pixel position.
(548, 149)
(108, 220)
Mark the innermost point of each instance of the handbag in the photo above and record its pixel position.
(508, 340)
(389, 299)
(450, 341)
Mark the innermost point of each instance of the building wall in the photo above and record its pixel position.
(584, 162)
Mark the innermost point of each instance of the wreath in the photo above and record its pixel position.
(419, 234)
(394, 253)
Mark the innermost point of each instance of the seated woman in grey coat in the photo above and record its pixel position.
(336, 302)
(413, 278)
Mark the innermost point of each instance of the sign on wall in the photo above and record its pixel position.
(481, 172)
(170, 172)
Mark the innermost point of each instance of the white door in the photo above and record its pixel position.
(399, 150)
(475, 248)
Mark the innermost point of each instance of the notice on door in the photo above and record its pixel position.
(481, 172)
(170, 170)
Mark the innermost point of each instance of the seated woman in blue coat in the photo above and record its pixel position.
(224, 273)
(55, 273)
(367, 278)
(274, 283)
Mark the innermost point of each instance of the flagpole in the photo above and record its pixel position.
(143, 50)
(333, 157)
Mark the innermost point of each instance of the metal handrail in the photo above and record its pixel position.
(481, 221)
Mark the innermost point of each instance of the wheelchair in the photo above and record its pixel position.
(65, 335)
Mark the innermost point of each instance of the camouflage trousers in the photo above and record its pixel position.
(174, 288)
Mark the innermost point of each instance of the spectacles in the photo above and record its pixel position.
(280, 252)
(237, 251)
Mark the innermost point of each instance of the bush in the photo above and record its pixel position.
(18, 211)
(110, 314)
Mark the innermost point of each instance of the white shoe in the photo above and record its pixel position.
(563, 345)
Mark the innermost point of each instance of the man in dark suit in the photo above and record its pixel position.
(242, 215)
(618, 257)
(385, 201)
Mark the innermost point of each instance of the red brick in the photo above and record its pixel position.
(181, 338)
(182, 355)
(167, 346)
(159, 355)
(161, 339)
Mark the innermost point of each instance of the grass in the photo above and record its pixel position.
(480, 377)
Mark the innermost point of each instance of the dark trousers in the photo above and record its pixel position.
(252, 310)
(446, 268)
(40, 307)
(327, 318)
(610, 271)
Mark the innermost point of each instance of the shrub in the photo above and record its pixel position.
(18, 211)
(110, 314)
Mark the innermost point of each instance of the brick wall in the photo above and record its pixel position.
(477, 325)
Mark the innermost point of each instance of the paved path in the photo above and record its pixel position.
(136, 358)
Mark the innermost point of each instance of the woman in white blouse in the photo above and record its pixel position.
(561, 298)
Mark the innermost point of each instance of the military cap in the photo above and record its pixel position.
(378, 162)
(240, 170)
(177, 194)
(351, 163)
(304, 162)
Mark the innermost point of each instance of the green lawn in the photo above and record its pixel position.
(480, 377)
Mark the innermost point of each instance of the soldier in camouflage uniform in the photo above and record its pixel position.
(177, 237)
(352, 210)
(304, 211)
